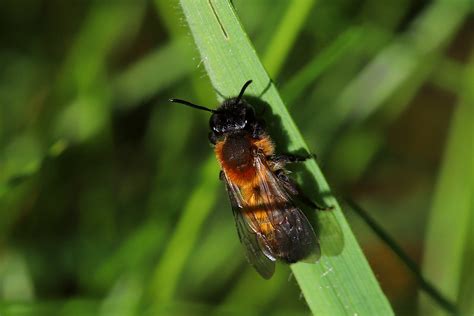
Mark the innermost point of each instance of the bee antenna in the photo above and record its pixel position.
(241, 94)
(199, 107)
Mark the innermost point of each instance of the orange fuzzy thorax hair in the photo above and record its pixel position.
(243, 175)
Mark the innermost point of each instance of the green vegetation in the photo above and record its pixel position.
(110, 202)
(348, 286)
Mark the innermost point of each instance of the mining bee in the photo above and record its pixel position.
(263, 197)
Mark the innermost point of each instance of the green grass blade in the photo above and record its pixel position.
(448, 240)
(285, 35)
(140, 81)
(342, 45)
(338, 285)
(401, 59)
(166, 275)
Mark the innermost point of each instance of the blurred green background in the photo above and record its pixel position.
(109, 204)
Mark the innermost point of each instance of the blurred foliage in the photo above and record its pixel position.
(96, 168)
(341, 282)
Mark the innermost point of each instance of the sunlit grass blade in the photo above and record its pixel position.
(448, 251)
(424, 284)
(338, 285)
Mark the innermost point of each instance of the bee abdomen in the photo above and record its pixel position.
(290, 241)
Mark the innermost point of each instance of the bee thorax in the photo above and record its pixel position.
(237, 152)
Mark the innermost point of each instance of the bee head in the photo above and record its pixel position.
(232, 116)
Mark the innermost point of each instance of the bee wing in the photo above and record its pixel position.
(252, 240)
(294, 237)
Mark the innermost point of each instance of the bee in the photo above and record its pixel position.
(263, 197)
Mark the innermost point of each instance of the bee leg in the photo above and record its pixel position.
(287, 182)
(306, 200)
(289, 158)
(221, 175)
(293, 189)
